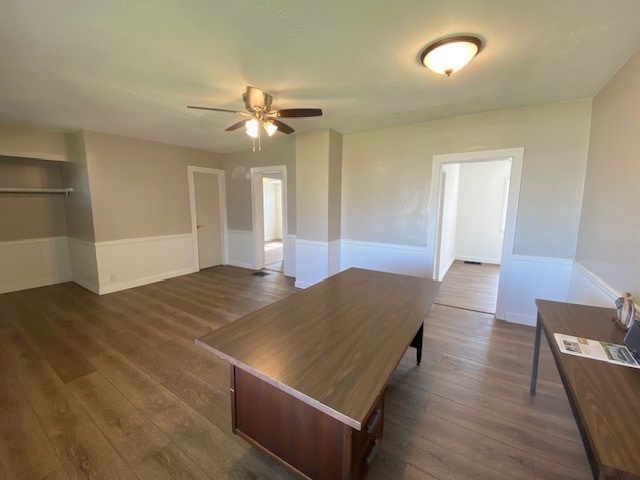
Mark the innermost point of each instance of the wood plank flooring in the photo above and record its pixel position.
(471, 287)
(113, 387)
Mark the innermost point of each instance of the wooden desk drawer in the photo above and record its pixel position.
(363, 440)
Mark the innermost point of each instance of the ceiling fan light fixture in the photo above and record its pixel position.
(270, 128)
(252, 127)
(450, 54)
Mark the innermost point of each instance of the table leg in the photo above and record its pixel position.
(536, 357)
(417, 343)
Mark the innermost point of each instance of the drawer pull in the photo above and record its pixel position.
(377, 415)
(373, 453)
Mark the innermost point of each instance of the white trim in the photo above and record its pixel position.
(126, 241)
(528, 258)
(191, 171)
(588, 288)
(529, 320)
(298, 284)
(314, 243)
(394, 246)
(463, 258)
(144, 281)
(433, 237)
(257, 212)
(444, 271)
(31, 240)
(599, 282)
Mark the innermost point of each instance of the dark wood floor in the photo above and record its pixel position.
(471, 287)
(113, 387)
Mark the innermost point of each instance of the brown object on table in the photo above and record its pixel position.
(603, 396)
(308, 373)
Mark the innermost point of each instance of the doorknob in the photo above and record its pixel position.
(199, 226)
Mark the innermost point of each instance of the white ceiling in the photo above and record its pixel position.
(130, 67)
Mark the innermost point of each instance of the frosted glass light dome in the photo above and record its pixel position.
(450, 54)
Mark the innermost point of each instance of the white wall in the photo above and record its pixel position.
(481, 200)
(450, 195)
(272, 204)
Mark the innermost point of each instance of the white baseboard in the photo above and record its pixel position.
(589, 289)
(240, 248)
(32, 263)
(535, 277)
(529, 320)
(492, 261)
(444, 271)
(133, 262)
(385, 257)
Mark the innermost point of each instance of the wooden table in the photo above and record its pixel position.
(604, 397)
(308, 373)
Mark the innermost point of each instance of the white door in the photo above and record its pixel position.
(208, 219)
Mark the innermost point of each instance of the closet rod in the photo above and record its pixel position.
(26, 191)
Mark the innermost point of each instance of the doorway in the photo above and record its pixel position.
(272, 213)
(269, 194)
(480, 250)
(474, 203)
(208, 216)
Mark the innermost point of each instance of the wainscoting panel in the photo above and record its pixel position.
(334, 256)
(129, 263)
(312, 262)
(535, 277)
(33, 263)
(290, 255)
(589, 289)
(240, 248)
(84, 265)
(404, 259)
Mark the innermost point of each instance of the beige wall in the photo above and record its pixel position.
(32, 142)
(312, 183)
(31, 216)
(609, 232)
(335, 185)
(238, 184)
(387, 173)
(139, 188)
(76, 175)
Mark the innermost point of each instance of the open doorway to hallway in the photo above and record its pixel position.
(269, 212)
(474, 200)
(272, 213)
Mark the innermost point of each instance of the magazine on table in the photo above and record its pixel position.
(604, 351)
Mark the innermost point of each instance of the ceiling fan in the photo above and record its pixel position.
(258, 110)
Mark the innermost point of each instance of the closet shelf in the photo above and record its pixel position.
(27, 191)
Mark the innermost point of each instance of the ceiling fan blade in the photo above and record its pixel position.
(283, 127)
(217, 109)
(236, 126)
(299, 112)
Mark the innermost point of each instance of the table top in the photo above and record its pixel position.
(606, 395)
(333, 345)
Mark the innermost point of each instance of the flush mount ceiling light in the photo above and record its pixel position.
(450, 54)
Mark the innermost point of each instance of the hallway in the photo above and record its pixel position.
(470, 287)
